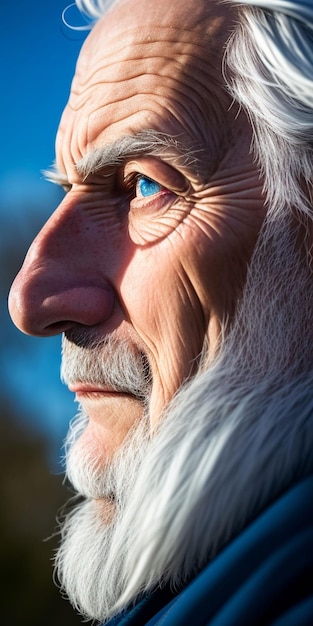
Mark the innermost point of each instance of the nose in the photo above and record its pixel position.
(61, 283)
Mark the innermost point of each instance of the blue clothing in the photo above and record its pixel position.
(263, 577)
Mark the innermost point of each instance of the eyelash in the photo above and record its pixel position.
(130, 183)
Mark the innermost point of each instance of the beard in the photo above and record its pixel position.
(89, 532)
(113, 363)
(91, 553)
(232, 440)
(109, 362)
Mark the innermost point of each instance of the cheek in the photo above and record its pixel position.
(165, 313)
(157, 293)
(221, 242)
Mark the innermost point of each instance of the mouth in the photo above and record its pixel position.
(87, 390)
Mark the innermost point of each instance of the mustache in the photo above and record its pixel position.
(109, 362)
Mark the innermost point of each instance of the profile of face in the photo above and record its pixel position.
(142, 263)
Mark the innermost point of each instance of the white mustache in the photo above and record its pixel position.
(112, 363)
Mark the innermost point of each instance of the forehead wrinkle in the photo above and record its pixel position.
(116, 67)
(143, 143)
(116, 48)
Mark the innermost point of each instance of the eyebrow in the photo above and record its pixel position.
(141, 144)
(144, 143)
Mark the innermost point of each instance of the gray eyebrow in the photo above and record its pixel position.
(53, 175)
(143, 143)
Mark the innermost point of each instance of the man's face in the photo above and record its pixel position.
(162, 210)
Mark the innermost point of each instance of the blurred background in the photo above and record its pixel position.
(37, 55)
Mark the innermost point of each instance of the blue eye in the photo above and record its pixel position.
(147, 187)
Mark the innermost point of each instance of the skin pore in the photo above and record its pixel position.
(163, 205)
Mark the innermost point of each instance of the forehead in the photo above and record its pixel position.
(135, 71)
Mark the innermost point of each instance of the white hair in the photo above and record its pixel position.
(240, 432)
(94, 9)
(269, 69)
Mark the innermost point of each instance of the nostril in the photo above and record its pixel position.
(59, 311)
(58, 327)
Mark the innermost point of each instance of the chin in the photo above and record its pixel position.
(92, 545)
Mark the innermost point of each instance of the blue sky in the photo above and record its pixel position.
(38, 55)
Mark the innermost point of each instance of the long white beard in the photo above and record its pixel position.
(234, 438)
(89, 560)
(89, 532)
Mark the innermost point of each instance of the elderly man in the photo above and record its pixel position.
(178, 267)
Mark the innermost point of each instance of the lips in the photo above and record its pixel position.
(89, 388)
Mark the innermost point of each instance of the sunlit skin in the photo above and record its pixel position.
(154, 248)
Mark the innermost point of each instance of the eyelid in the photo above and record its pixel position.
(131, 180)
(158, 171)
